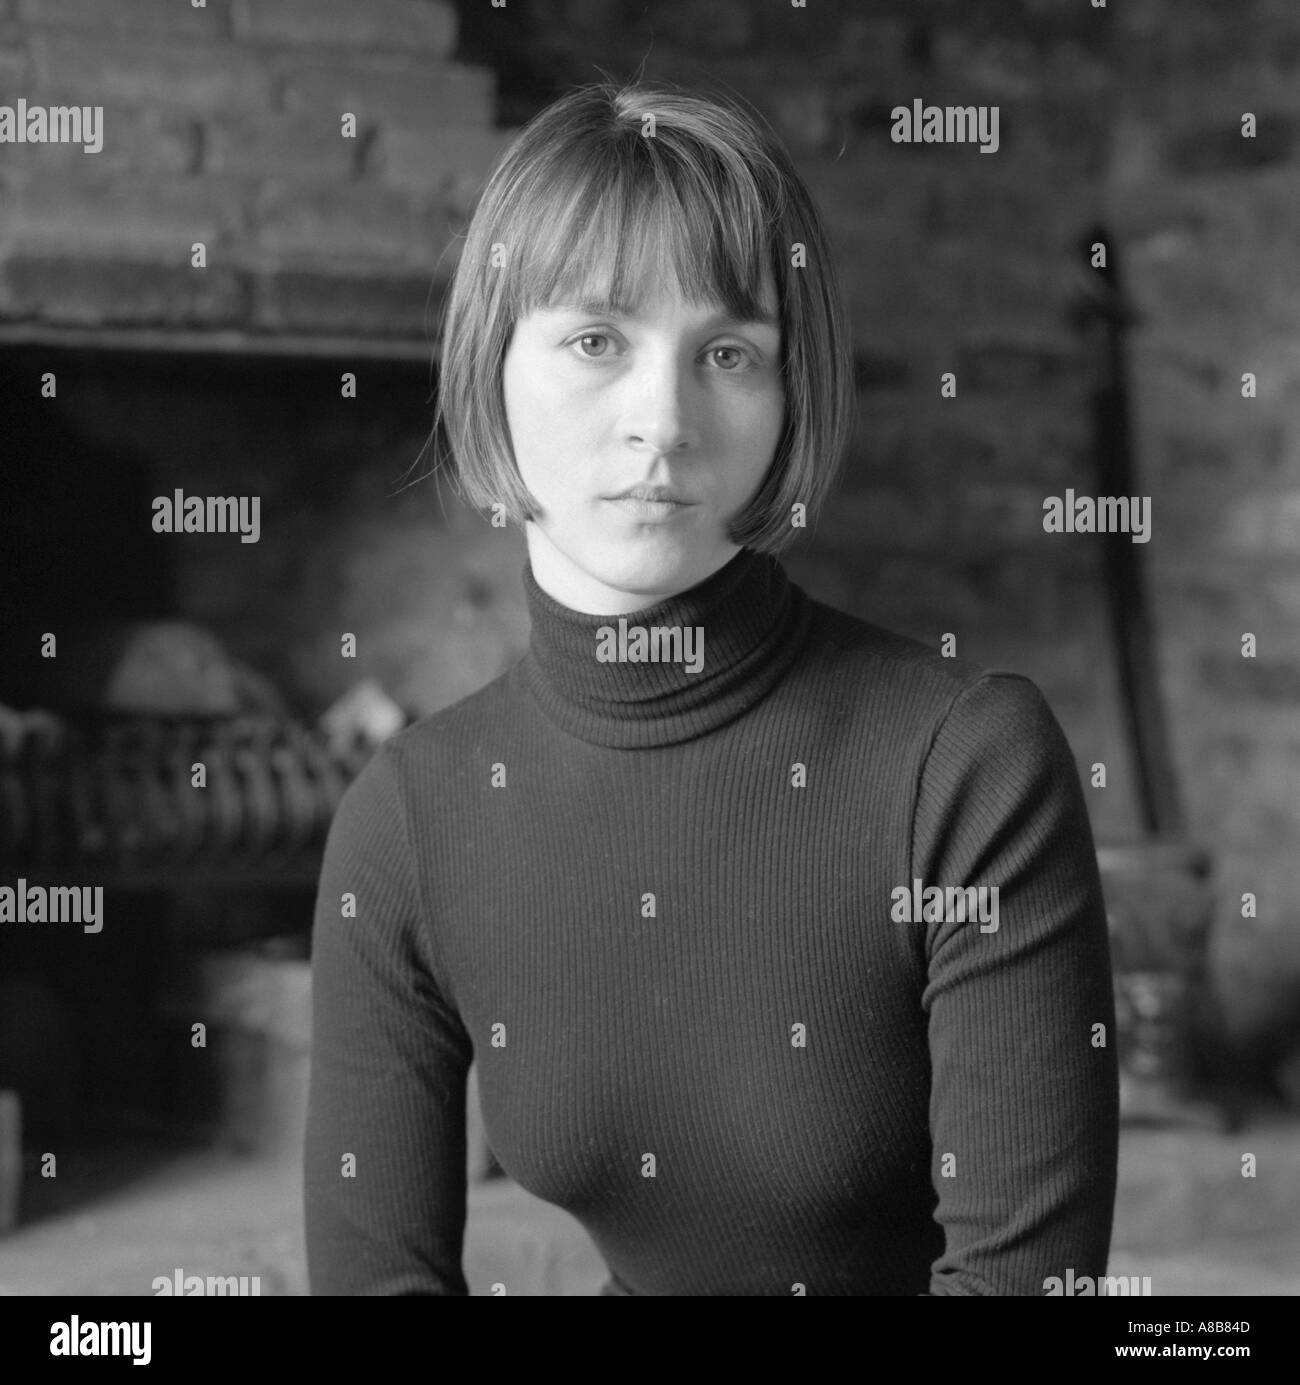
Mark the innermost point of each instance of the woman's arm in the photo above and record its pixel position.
(385, 1149)
(1024, 1094)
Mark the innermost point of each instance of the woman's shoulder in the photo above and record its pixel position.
(448, 727)
(859, 648)
(432, 745)
(928, 683)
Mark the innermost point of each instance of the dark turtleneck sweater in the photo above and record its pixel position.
(669, 915)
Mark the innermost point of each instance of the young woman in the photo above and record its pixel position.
(777, 938)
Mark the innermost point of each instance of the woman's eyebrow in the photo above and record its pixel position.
(595, 307)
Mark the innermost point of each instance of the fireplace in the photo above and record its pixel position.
(181, 711)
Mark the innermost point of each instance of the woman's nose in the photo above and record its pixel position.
(660, 413)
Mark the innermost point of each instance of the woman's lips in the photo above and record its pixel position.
(651, 509)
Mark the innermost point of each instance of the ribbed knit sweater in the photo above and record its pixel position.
(671, 916)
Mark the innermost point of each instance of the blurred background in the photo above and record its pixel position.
(325, 255)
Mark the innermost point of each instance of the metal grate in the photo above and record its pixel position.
(122, 798)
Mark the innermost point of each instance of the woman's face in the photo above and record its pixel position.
(674, 396)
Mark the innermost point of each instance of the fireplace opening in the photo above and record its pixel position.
(128, 656)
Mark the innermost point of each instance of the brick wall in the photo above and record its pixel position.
(225, 125)
(1211, 222)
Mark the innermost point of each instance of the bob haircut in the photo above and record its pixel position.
(571, 211)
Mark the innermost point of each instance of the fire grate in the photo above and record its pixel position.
(166, 801)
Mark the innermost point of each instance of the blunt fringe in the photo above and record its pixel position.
(586, 191)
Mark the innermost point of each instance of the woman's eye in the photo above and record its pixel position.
(732, 366)
(735, 351)
(590, 336)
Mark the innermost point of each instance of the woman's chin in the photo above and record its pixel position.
(622, 578)
(646, 563)
(651, 567)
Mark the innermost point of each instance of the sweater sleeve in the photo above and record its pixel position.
(384, 1168)
(1024, 1106)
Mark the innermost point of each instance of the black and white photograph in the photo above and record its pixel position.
(650, 648)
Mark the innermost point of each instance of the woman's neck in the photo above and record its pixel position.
(670, 671)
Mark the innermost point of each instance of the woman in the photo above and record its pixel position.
(777, 938)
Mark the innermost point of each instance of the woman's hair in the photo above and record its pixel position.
(587, 189)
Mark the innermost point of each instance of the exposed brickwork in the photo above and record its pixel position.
(225, 125)
(345, 303)
(143, 216)
(1210, 222)
(287, 149)
(406, 26)
(85, 292)
(148, 70)
(131, 17)
(405, 156)
(441, 98)
(152, 140)
(386, 224)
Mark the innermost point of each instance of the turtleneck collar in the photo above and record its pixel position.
(741, 627)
